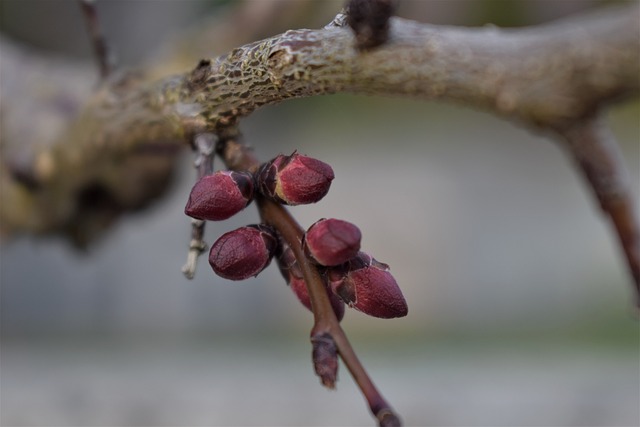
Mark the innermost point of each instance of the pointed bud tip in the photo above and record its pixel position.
(295, 179)
(378, 293)
(368, 286)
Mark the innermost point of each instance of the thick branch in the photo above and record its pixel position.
(541, 76)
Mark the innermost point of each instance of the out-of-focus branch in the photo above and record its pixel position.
(596, 153)
(545, 77)
(103, 54)
(56, 93)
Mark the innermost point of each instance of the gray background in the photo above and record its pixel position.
(520, 306)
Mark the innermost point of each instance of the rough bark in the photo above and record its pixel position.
(119, 150)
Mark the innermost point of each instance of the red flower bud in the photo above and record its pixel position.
(332, 241)
(366, 285)
(295, 179)
(293, 275)
(220, 195)
(243, 253)
(299, 288)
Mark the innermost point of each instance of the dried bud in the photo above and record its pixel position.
(295, 179)
(293, 275)
(386, 418)
(325, 359)
(369, 19)
(366, 285)
(332, 241)
(243, 253)
(220, 195)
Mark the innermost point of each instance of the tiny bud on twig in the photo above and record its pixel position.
(325, 359)
(369, 20)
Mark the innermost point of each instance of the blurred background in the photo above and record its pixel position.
(520, 305)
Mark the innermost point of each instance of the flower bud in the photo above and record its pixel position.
(366, 285)
(293, 275)
(295, 179)
(220, 195)
(299, 288)
(243, 253)
(332, 241)
(325, 359)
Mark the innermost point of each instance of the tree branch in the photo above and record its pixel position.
(546, 77)
(596, 153)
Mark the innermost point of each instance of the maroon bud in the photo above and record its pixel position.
(339, 286)
(243, 253)
(366, 285)
(332, 241)
(293, 275)
(220, 195)
(325, 359)
(299, 288)
(295, 179)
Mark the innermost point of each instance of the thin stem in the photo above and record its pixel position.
(239, 157)
(596, 152)
(204, 145)
(325, 319)
(100, 46)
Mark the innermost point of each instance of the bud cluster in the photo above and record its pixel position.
(290, 180)
(351, 277)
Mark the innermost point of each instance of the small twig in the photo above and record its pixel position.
(204, 145)
(101, 49)
(501, 71)
(339, 21)
(238, 156)
(595, 150)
